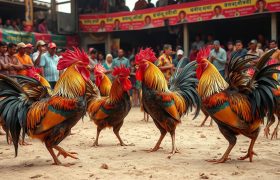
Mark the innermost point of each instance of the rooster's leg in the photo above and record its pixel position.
(162, 135)
(174, 149)
(64, 153)
(203, 122)
(230, 136)
(55, 159)
(275, 132)
(250, 151)
(116, 130)
(211, 122)
(267, 128)
(97, 136)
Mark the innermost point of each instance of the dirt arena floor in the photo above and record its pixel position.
(111, 161)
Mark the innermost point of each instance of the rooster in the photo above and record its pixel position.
(166, 106)
(110, 111)
(102, 81)
(239, 104)
(50, 119)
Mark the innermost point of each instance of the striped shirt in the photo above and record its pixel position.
(49, 63)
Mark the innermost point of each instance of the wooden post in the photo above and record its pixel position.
(274, 26)
(186, 40)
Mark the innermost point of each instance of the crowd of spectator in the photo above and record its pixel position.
(39, 26)
(109, 6)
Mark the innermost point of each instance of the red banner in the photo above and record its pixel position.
(176, 14)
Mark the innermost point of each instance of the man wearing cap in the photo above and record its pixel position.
(253, 49)
(29, 49)
(23, 58)
(218, 57)
(48, 62)
(41, 48)
(180, 57)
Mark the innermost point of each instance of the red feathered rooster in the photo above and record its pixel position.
(110, 111)
(49, 119)
(239, 103)
(166, 106)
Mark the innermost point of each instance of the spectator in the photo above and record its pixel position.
(29, 50)
(134, 91)
(140, 4)
(108, 62)
(239, 51)
(41, 48)
(253, 49)
(19, 24)
(164, 62)
(161, 3)
(15, 26)
(49, 63)
(123, 6)
(23, 58)
(100, 58)
(8, 25)
(10, 65)
(1, 23)
(92, 59)
(276, 54)
(150, 4)
(230, 49)
(121, 60)
(3, 49)
(218, 57)
(193, 53)
(261, 39)
(198, 42)
(180, 57)
(42, 27)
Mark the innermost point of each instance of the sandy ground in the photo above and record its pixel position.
(195, 144)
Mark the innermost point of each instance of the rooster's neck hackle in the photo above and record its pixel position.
(116, 92)
(71, 84)
(154, 78)
(105, 86)
(211, 82)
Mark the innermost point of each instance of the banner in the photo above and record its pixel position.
(28, 15)
(28, 37)
(176, 14)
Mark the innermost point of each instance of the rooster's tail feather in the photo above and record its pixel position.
(14, 106)
(184, 82)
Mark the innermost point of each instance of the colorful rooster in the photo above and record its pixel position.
(239, 104)
(166, 106)
(110, 111)
(49, 119)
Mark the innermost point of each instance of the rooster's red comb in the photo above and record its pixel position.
(121, 71)
(70, 57)
(99, 69)
(203, 54)
(34, 73)
(145, 55)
